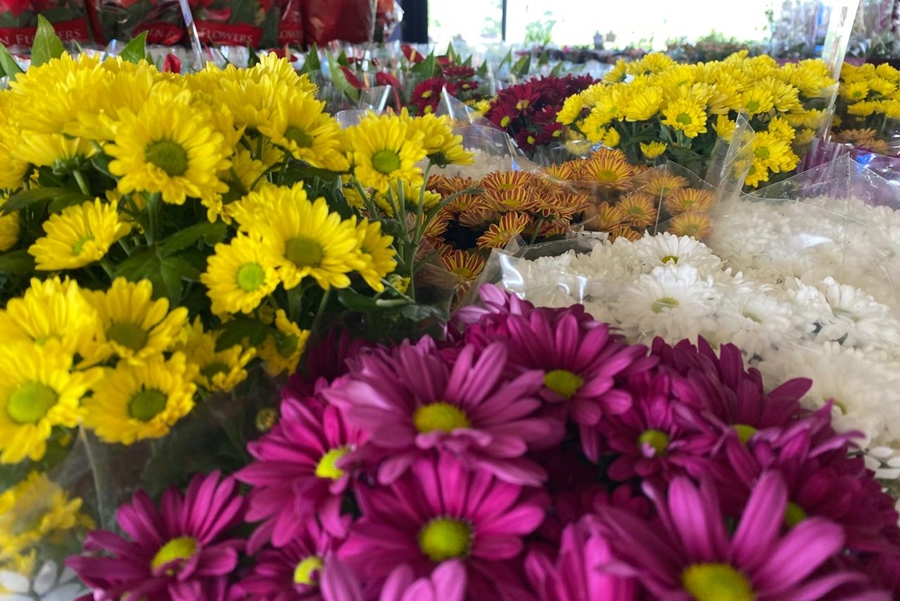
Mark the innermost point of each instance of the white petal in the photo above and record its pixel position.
(68, 592)
(14, 582)
(46, 578)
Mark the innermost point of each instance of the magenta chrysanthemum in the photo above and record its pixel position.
(296, 475)
(439, 511)
(691, 556)
(414, 401)
(179, 552)
(446, 583)
(291, 573)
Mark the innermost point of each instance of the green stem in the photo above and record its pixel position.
(323, 303)
(79, 177)
(109, 269)
(125, 246)
(105, 499)
(152, 217)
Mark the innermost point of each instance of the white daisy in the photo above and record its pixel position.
(668, 249)
(755, 322)
(858, 319)
(49, 584)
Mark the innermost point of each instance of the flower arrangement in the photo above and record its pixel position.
(161, 234)
(685, 109)
(552, 462)
(868, 107)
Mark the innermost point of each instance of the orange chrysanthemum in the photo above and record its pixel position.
(608, 169)
(639, 209)
(659, 183)
(696, 224)
(500, 234)
(684, 200)
(467, 265)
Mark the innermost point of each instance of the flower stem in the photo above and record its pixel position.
(82, 184)
(152, 217)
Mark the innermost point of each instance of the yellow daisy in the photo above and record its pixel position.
(62, 153)
(441, 146)
(216, 370)
(12, 170)
(377, 253)
(51, 310)
(239, 276)
(773, 152)
(127, 90)
(33, 510)
(281, 71)
(571, 110)
(658, 183)
(384, 149)
(137, 401)
(651, 150)
(854, 92)
(684, 114)
(132, 325)
(644, 105)
(170, 147)
(882, 87)
(603, 217)
(785, 97)
(78, 236)
(37, 392)
(303, 238)
(617, 73)
(724, 127)
(9, 229)
(299, 125)
(282, 351)
(612, 138)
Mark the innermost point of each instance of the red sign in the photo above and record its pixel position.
(229, 35)
(68, 31)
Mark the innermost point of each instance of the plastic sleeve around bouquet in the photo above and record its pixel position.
(18, 21)
(346, 20)
(290, 24)
(252, 23)
(125, 19)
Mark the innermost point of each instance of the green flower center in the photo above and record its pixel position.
(751, 316)
(753, 106)
(793, 514)
(762, 153)
(386, 161)
(684, 119)
(744, 432)
(656, 439)
(147, 404)
(169, 156)
(716, 582)
(30, 402)
(308, 570)
(183, 548)
(663, 304)
(563, 382)
(839, 312)
(214, 369)
(606, 175)
(250, 277)
(130, 335)
(299, 137)
(439, 416)
(445, 538)
(286, 344)
(303, 252)
(327, 467)
(669, 259)
(79, 246)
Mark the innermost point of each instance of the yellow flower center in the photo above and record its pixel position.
(130, 335)
(303, 252)
(183, 548)
(445, 538)
(716, 582)
(522, 105)
(265, 419)
(684, 119)
(214, 369)
(793, 514)
(30, 402)
(308, 570)
(147, 404)
(79, 246)
(663, 304)
(504, 121)
(658, 441)
(669, 259)
(386, 161)
(426, 94)
(299, 137)
(753, 106)
(167, 155)
(744, 432)
(762, 153)
(250, 277)
(439, 416)
(563, 382)
(327, 467)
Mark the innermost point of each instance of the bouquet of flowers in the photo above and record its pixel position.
(237, 22)
(18, 21)
(867, 112)
(680, 111)
(534, 454)
(125, 19)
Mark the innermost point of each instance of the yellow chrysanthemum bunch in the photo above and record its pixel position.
(654, 109)
(867, 112)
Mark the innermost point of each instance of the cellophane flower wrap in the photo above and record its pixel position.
(532, 454)
(124, 20)
(163, 238)
(655, 107)
(867, 113)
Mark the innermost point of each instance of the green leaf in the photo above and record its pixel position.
(312, 61)
(211, 233)
(543, 59)
(482, 70)
(240, 328)
(451, 54)
(428, 67)
(8, 64)
(64, 201)
(253, 58)
(17, 261)
(47, 44)
(355, 301)
(557, 70)
(136, 50)
(340, 81)
(342, 59)
(522, 66)
(26, 198)
(507, 60)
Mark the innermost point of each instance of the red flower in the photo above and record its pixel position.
(427, 95)
(411, 54)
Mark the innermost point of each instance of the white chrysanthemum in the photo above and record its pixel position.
(865, 387)
(756, 322)
(668, 249)
(672, 302)
(49, 585)
(858, 319)
(884, 461)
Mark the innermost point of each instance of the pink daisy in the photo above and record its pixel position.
(295, 475)
(291, 573)
(690, 554)
(439, 511)
(446, 583)
(324, 363)
(179, 552)
(575, 575)
(414, 401)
